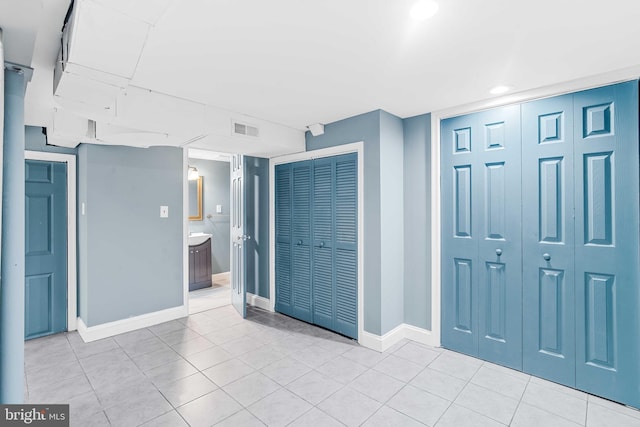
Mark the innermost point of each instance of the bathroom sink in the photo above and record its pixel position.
(198, 238)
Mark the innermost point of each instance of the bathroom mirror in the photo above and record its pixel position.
(195, 199)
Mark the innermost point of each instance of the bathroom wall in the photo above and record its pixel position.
(216, 190)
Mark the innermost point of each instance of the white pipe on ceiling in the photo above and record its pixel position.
(1, 124)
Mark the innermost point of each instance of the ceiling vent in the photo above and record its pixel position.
(245, 130)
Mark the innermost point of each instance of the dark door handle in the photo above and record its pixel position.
(546, 257)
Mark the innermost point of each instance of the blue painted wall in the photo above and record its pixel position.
(391, 221)
(417, 220)
(130, 259)
(216, 190)
(396, 237)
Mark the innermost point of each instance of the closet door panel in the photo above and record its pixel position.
(323, 243)
(283, 220)
(498, 212)
(460, 166)
(301, 238)
(548, 239)
(346, 245)
(607, 231)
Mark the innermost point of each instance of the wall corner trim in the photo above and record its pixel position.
(258, 301)
(394, 336)
(105, 330)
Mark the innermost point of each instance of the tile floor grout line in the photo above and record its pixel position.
(520, 400)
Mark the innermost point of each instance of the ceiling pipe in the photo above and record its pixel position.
(1, 124)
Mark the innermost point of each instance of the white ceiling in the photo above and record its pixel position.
(294, 63)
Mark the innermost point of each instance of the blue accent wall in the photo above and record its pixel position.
(417, 221)
(397, 240)
(130, 259)
(216, 190)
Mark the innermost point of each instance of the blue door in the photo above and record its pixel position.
(481, 235)
(293, 240)
(45, 248)
(580, 232)
(316, 242)
(606, 232)
(548, 239)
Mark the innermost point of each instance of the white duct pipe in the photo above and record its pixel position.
(1, 126)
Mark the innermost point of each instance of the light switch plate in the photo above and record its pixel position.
(164, 211)
(218, 208)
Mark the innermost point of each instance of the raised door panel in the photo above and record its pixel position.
(459, 183)
(548, 239)
(497, 212)
(606, 231)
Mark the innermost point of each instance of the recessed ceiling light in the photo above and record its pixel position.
(424, 9)
(499, 90)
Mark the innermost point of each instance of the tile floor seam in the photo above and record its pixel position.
(520, 401)
(551, 413)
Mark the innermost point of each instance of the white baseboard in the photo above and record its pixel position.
(391, 338)
(258, 301)
(105, 330)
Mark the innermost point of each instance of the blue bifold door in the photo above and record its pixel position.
(316, 242)
(578, 237)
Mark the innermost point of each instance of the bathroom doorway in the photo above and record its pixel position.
(209, 198)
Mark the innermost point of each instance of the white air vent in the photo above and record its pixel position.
(245, 130)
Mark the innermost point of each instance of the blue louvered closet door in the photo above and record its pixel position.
(316, 242)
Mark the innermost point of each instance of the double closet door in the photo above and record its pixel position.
(540, 239)
(316, 204)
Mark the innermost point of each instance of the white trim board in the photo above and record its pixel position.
(72, 279)
(394, 336)
(185, 229)
(258, 301)
(613, 77)
(105, 330)
(355, 147)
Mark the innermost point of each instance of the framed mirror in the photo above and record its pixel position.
(195, 199)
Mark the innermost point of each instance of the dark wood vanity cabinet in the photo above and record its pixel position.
(200, 265)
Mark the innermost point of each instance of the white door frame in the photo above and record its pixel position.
(72, 280)
(436, 116)
(355, 147)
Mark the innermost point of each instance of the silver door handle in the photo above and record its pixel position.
(546, 257)
(246, 237)
(299, 242)
(498, 252)
(321, 245)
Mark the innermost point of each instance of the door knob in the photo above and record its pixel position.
(498, 252)
(299, 242)
(321, 245)
(546, 257)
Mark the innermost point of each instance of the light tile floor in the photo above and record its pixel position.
(214, 368)
(218, 295)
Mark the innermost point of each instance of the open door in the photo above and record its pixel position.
(238, 236)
